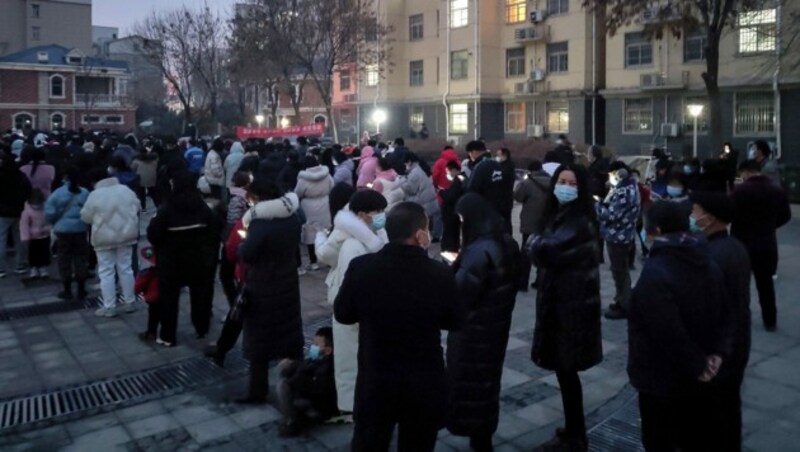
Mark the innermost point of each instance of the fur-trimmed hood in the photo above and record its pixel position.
(314, 174)
(349, 223)
(283, 207)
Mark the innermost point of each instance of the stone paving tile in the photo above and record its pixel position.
(112, 438)
(525, 395)
(151, 425)
(91, 424)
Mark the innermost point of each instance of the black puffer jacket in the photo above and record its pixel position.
(14, 188)
(273, 327)
(486, 275)
(567, 332)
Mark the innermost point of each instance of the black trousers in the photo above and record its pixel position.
(764, 261)
(227, 270)
(525, 267)
(727, 418)
(451, 232)
(73, 256)
(231, 330)
(39, 252)
(153, 317)
(201, 293)
(142, 192)
(678, 423)
(572, 398)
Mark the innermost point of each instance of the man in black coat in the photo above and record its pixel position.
(401, 378)
(398, 156)
(503, 157)
(674, 334)
(761, 208)
(711, 214)
(485, 175)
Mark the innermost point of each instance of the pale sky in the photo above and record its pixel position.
(124, 13)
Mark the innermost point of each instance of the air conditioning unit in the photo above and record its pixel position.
(651, 80)
(535, 130)
(537, 75)
(669, 129)
(43, 57)
(527, 34)
(537, 16)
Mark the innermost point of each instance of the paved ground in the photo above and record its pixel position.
(47, 352)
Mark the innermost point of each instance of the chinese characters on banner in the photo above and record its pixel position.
(261, 132)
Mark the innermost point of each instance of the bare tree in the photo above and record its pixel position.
(712, 17)
(208, 32)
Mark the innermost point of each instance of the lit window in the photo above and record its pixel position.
(416, 118)
(57, 121)
(557, 7)
(515, 117)
(23, 121)
(459, 13)
(372, 76)
(702, 120)
(516, 11)
(558, 117)
(459, 118)
(515, 62)
(56, 86)
(416, 29)
(459, 65)
(638, 116)
(638, 50)
(755, 113)
(757, 31)
(415, 71)
(694, 48)
(558, 57)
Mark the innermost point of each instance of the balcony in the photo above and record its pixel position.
(532, 34)
(97, 99)
(661, 82)
(531, 87)
(660, 14)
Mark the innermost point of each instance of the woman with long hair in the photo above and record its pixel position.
(567, 337)
(40, 174)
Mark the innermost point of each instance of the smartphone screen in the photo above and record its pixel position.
(449, 256)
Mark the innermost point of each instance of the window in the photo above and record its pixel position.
(694, 48)
(416, 118)
(515, 62)
(688, 120)
(371, 31)
(36, 33)
(56, 121)
(459, 13)
(344, 81)
(557, 7)
(638, 116)
(23, 121)
(515, 117)
(638, 50)
(57, 86)
(416, 27)
(90, 119)
(558, 117)
(516, 11)
(114, 119)
(415, 71)
(459, 118)
(558, 57)
(36, 10)
(757, 31)
(372, 75)
(459, 65)
(755, 113)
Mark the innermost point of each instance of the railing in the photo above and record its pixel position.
(98, 99)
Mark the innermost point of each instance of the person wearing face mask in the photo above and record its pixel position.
(401, 376)
(486, 275)
(418, 187)
(711, 215)
(358, 229)
(566, 337)
(760, 152)
(618, 215)
(691, 170)
(310, 381)
(451, 231)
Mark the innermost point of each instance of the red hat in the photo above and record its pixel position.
(349, 150)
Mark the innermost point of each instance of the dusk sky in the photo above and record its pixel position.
(124, 13)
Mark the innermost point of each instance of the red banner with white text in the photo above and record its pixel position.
(262, 132)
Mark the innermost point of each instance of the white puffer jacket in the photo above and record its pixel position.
(113, 211)
(313, 187)
(213, 170)
(283, 207)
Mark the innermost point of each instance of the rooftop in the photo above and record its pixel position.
(57, 56)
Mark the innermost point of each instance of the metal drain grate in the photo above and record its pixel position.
(622, 431)
(57, 307)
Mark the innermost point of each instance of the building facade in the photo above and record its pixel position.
(53, 87)
(30, 23)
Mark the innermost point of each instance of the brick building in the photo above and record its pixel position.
(51, 86)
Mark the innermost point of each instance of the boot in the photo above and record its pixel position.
(66, 294)
(259, 382)
(82, 290)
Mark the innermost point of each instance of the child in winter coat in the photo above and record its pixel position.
(146, 286)
(34, 230)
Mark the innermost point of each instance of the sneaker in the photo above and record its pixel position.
(128, 307)
(344, 417)
(106, 312)
(301, 271)
(160, 341)
(43, 273)
(312, 267)
(34, 273)
(21, 270)
(147, 337)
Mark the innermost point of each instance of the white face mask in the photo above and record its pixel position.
(450, 177)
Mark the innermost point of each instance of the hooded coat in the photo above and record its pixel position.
(63, 210)
(272, 323)
(486, 273)
(566, 335)
(232, 162)
(439, 172)
(113, 211)
(344, 172)
(388, 184)
(313, 187)
(213, 169)
(349, 239)
(43, 177)
(146, 166)
(532, 193)
(367, 167)
(418, 188)
(32, 225)
(14, 189)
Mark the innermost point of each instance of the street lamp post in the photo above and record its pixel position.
(379, 117)
(695, 110)
(259, 119)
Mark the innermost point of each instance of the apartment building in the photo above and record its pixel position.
(31, 23)
(650, 82)
(471, 68)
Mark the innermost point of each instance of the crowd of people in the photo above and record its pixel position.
(259, 215)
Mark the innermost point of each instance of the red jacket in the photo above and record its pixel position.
(147, 284)
(231, 248)
(439, 172)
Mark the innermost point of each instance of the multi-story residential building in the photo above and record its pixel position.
(650, 82)
(491, 68)
(146, 84)
(30, 23)
(51, 86)
(101, 36)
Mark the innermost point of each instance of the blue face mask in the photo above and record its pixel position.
(565, 193)
(314, 352)
(378, 221)
(693, 225)
(674, 192)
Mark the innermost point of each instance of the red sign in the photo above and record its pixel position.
(262, 132)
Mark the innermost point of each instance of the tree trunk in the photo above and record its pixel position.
(711, 79)
(332, 121)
